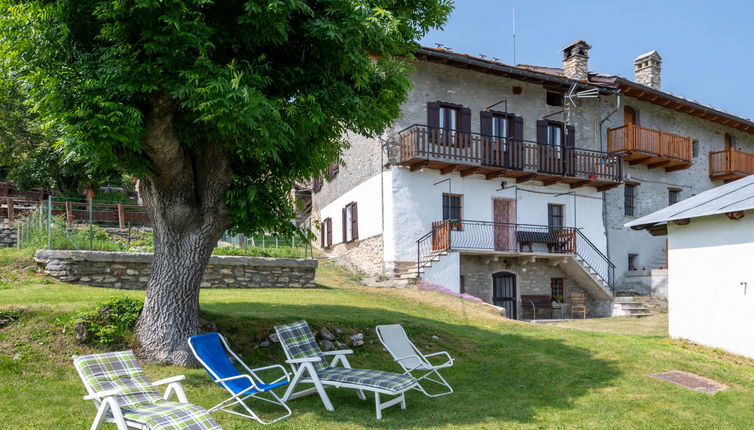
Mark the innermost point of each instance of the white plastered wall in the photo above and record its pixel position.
(709, 259)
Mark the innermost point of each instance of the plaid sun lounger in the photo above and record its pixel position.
(139, 401)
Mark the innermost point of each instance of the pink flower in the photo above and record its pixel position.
(445, 290)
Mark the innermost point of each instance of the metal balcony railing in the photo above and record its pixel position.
(512, 238)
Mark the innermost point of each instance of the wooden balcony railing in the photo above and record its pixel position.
(471, 153)
(655, 148)
(730, 164)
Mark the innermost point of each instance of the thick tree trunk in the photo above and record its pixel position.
(184, 200)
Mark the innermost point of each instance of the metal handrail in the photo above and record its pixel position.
(513, 238)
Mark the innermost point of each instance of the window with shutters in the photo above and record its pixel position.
(326, 233)
(449, 123)
(555, 215)
(350, 222)
(452, 209)
(629, 196)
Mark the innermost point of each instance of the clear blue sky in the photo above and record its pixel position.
(706, 46)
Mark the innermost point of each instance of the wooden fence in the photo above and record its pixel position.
(107, 213)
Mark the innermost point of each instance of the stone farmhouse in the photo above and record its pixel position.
(506, 182)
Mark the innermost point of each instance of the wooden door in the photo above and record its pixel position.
(440, 235)
(504, 217)
(629, 115)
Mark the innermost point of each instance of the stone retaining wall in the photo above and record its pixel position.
(8, 236)
(130, 270)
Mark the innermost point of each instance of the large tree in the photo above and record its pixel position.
(216, 105)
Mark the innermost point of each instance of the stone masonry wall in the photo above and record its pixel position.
(364, 255)
(531, 278)
(131, 270)
(8, 236)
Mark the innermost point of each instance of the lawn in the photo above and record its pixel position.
(507, 374)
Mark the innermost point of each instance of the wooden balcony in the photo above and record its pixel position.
(654, 148)
(730, 165)
(470, 153)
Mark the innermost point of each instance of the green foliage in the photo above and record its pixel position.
(283, 251)
(34, 234)
(110, 324)
(275, 83)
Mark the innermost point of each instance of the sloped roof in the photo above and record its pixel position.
(731, 197)
(607, 84)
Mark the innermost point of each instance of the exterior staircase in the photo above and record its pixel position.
(628, 306)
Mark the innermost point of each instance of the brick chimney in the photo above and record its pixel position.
(647, 69)
(576, 60)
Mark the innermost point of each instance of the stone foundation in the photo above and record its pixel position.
(130, 271)
(364, 255)
(8, 236)
(531, 279)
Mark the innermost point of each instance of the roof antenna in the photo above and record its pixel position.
(514, 36)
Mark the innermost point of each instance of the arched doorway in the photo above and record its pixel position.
(504, 293)
(629, 116)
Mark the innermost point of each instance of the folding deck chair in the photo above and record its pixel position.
(212, 351)
(123, 395)
(310, 366)
(411, 359)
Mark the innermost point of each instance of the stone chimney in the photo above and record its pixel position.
(576, 60)
(647, 69)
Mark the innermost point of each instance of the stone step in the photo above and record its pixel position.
(625, 299)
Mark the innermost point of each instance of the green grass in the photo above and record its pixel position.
(507, 374)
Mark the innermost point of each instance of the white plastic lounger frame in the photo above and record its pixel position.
(411, 359)
(256, 386)
(106, 401)
(305, 372)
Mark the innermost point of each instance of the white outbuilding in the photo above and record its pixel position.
(710, 265)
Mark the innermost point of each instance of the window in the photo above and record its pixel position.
(554, 99)
(452, 209)
(674, 195)
(632, 261)
(629, 192)
(501, 125)
(695, 148)
(462, 282)
(557, 289)
(555, 216)
(555, 134)
(449, 117)
(326, 233)
(350, 223)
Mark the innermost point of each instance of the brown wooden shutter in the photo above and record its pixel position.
(517, 128)
(322, 233)
(329, 231)
(570, 141)
(354, 222)
(343, 212)
(465, 120)
(542, 132)
(433, 114)
(485, 123)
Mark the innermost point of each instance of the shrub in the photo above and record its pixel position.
(110, 324)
